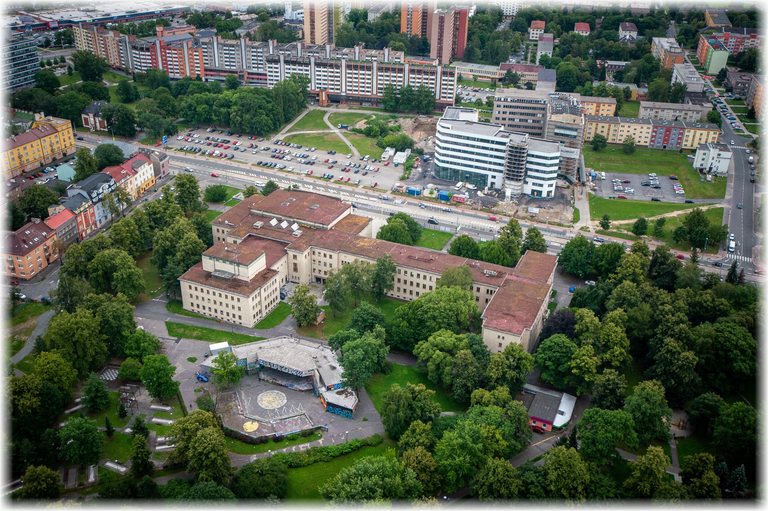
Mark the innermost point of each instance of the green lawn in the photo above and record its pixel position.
(754, 128)
(65, 79)
(211, 214)
(312, 121)
(576, 215)
(238, 447)
(698, 442)
(632, 209)
(177, 307)
(29, 311)
(304, 483)
(118, 447)
(111, 412)
(322, 141)
(617, 234)
(349, 118)
(160, 429)
(208, 334)
(175, 412)
(433, 239)
(152, 282)
(231, 191)
(113, 77)
(365, 145)
(738, 102)
(630, 109)
(25, 365)
(642, 448)
(715, 216)
(740, 109)
(476, 83)
(331, 325)
(402, 375)
(277, 316)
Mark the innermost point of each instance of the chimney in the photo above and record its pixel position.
(36, 220)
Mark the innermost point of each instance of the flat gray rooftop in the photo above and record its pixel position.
(482, 129)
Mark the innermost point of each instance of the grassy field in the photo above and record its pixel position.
(113, 77)
(175, 412)
(303, 483)
(152, 282)
(231, 191)
(312, 121)
(275, 317)
(737, 102)
(29, 311)
(111, 412)
(118, 447)
(331, 325)
(715, 216)
(754, 128)
(365, 145)
(699, 442)
(616, 234)
(208, 334)
(346, 118)
(740, 109)
(322, 141)
(631, 209)
(177, 307)
(238, 447)
(403, 375)
(160, 429)
(433, 239)
(211, 214)
(642, 448)
(65, 79)
(612, 159)
(476, 83)
(630, 109)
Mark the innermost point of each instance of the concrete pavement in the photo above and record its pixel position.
(40, 329)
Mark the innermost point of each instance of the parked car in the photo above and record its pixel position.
(590, 283)
(201, 377)
(680, 256)
(214, 175)
(718, 263)
(655, 199)
(433, 221)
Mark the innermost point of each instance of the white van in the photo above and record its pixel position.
(471, 187)
(458, 186)
(731, 246)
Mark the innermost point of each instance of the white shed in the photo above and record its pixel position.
(216, 348)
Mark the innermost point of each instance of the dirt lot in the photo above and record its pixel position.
(421, 130)
(556, 210)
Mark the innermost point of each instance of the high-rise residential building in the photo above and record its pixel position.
(688, 76)
(712, 54)
(508, 7)
(756, 96)
(441, 36)
(460, 29)
(410, 17)
(316, 22)
(428, 8)
(668, 51)
(336, 15)
(737, 40)
(20, 61)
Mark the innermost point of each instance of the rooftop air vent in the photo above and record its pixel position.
(291, 199)
(314, 206)
(296, 234)
(285, 203)
(257, 225)
(294, 226)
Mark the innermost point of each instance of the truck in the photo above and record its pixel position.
(731, 246)
(343, 126)
(751, 160)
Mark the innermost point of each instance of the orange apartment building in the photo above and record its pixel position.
(29, 250)
(410, 18)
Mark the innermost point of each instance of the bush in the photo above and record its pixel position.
(215, 193)
(278, 438)
(325, 453)
(306, 432)
(206, 403)
(387, 368)
(292, 436)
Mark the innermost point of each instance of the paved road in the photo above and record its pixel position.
(40, 328)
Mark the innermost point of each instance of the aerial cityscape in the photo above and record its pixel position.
(373, 253)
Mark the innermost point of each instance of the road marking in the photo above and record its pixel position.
(541, 442)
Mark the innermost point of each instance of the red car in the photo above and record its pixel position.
(327, 160)
(622, 196)
(538, 429)
(386, 163)
(226, 147)
(16, 282)
(209, 143)
(377, 169)
(214, 175)
(250, 145)
(347, 179)
(680, 256)
(310, 171)
(493, 219)
(374, 185)
(330, 166)
(158, 144)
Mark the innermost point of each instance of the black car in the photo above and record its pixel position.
(655, 199)
(598, 239)
(645, 183)
(433, 221)
(739, 205)
(655, 186)
(79, 138)
(717, 263)
(751, 179)
(689, 201)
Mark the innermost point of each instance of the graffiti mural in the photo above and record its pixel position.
(339, 411)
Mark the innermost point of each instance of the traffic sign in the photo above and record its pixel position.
(165, 139)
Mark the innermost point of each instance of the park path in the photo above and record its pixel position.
(581, 196)
(40, 329)
(287, 130)
(338, 132)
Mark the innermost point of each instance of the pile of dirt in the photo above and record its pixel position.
(420, 129)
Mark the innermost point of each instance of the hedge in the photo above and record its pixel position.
(312, 455)
(248, 439)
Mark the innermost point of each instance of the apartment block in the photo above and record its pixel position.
(410, 17)
(293, 236)
(711, 54)
(756, 96)
(441, 35)
(738, 82)
(668, 50)
(522, 111)
(49, 138)
(688, 76)
(565, 124)
(478, 71)
(379, 9)
(316, 22)
(460, 30)
(508, 7)
(427, 12)
(536, 29)
(94, 188)
(713, 158)
(545, 46)
(20, 61)
(29, 250)
(737, 40)
(64, 223)
(671, 111)
(113, 46)
(598, 106)
(85, 214)
(651, 133)
(716, 18)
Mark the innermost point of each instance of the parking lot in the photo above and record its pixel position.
(664, 193)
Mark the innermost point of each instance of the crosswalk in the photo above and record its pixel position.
(109, 374)
(741, 258)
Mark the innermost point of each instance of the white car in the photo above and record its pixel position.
(731, 236)
(259, 184)
(652, 175)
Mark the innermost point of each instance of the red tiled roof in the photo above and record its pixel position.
(538, 24)
(515, 306)
(119, 173)
(310, 207)
(536, 266)
(579, 27)
(27, 238)
(139, 157)
(197, 275)
(352, 223)
(59, 219)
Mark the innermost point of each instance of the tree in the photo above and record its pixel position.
(493, 252)
(405, 405)
(677, 93)
(304, 307)
(141, 344)
(90, 66)
(386, 480)
(600, 430)
(141, 457)
(732, 276)
(680, 234)
(156, 78)
(576, 256)
(658, 227)
(675, 369)
(423, 465)
(460, 453)
(649, 410)
(121, 411)
(358, 277)
(86, 164)
(366, 318)
(165, 101)
(336, 291)
(108, 155)
(413, 228)
(735, 433)
(705, 409)
(115, 271)
(40, 483)
(396, 232)
(566, 475)
(157, 377)
(127, 92)
(215, 193)
(362, 357)
(640, 227)
(95, 394)
(553, 357)
(534, 241)
(77, 338)
(226, 372)
(382, 281)
(35, 201)
(18, 218)
(47, 81)
(81, 441)
(54, 368)
(120, 119)
(658, 90)
(231, 82)
(509, 368)
(466, 376)
(498, 480)
(464, 246)
(713, 116)
(700, 478)
(648, 472)
(208, 456)
(609, 390)
(148, 489)
(260, 479)
(207, 492)
(460, 276)
(599, 142)
(269, 187)
(628, 146)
